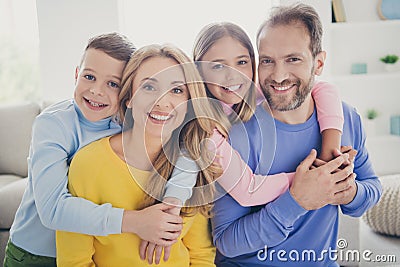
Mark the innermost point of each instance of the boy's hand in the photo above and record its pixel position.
(153, 224)
(154, 251)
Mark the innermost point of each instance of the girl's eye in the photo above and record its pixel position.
(89, 77)
(242, 62)
(113, 85)
(177, 90)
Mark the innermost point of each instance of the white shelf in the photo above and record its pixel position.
(338, 26)
(367, 76)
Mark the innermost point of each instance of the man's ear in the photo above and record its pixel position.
(319, 62)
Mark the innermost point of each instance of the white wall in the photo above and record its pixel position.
(64, 29)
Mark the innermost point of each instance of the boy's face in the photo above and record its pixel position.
(98, 84)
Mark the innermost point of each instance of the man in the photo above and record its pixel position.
(300, 227)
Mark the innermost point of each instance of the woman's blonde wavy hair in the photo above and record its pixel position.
(190, 135)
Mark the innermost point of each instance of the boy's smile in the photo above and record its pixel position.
(98, 85)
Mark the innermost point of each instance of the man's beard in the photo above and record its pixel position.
(281, 103)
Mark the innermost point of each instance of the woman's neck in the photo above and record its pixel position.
(136, 150)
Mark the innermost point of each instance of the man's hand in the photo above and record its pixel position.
(315, 188)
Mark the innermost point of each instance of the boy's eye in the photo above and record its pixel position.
(89, 77)
(113, 85)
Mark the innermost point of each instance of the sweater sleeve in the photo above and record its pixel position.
(57, 208)
(239, 181)
(329, 106)
(369, 188)
(182, 180)
(233, 226)
(198, 242)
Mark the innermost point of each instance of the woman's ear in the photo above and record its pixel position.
(319, 62)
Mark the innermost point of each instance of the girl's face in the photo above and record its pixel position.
(229, 73)
(160, 95)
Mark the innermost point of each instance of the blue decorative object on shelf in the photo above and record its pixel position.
(389, 9)
(395, 125)
(358, 68)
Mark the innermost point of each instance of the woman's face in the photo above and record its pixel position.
(160, 95)
(229, 72)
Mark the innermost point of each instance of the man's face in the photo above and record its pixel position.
(286, 67)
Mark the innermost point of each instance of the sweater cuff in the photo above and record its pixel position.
(357, 201)
(114, 222)
(331, 122)
(286, 209)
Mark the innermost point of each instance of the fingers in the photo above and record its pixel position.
(150, 252)
(167, 252)
(157, 254)
(142, 249)
(308, 161)
(346, 183)
(318, 163)
(343, 174)
(336, 163)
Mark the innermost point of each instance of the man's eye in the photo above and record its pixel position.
(89, 77)
(293, 59)
(266, 61)
(113, 85)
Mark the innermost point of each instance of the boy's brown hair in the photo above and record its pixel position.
(114, 44)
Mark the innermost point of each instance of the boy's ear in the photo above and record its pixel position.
(319, 62)
(76, 73)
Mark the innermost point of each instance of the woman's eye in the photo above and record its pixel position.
(113, 85)
(89, 77)
(217, 66)
(148, 87)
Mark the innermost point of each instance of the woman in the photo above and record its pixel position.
(161, 112)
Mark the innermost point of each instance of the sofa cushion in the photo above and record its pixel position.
(6, 179)
(384, 216)
(15, 136)
(10, 198)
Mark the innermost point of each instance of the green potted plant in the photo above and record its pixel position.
(369, 124)
(372, 113)
(390, 62)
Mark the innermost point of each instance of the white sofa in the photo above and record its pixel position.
(15, 135)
